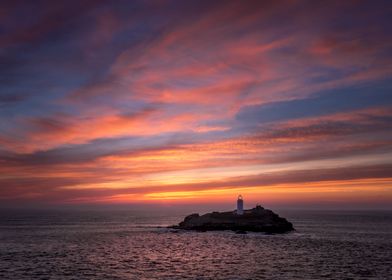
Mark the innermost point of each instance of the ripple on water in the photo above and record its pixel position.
(121, 251)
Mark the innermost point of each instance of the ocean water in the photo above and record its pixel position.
(128, 245)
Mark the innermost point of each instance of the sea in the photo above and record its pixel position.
(125, 244)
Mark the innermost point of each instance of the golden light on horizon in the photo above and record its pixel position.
(348, 190)
(197, 110)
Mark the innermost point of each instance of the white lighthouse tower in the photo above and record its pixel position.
(240, 205)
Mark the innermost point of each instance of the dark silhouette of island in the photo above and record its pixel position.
(257, 219)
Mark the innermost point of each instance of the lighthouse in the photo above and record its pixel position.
(240, 205)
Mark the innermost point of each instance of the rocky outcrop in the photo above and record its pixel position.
(257, 220)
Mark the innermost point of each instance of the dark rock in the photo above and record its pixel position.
(257, 219)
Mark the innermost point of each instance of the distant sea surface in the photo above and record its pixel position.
(128, 245)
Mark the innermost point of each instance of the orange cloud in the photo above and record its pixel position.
(133, 108)
(47, 133)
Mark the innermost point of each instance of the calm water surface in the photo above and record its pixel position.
(126, 245)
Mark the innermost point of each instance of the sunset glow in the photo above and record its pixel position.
(137, 102)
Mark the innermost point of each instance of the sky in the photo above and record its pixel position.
(288, 103)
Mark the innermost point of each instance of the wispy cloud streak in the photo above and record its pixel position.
(104, 101)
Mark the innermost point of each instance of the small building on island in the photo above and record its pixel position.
(240, 205)
(256, 219)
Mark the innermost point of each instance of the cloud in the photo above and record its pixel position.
(321, 104)
(128, 93)
(62, 129)
(295, 178)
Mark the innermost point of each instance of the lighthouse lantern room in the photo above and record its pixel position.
(240, 205)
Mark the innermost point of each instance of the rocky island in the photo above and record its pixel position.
(257, 219)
